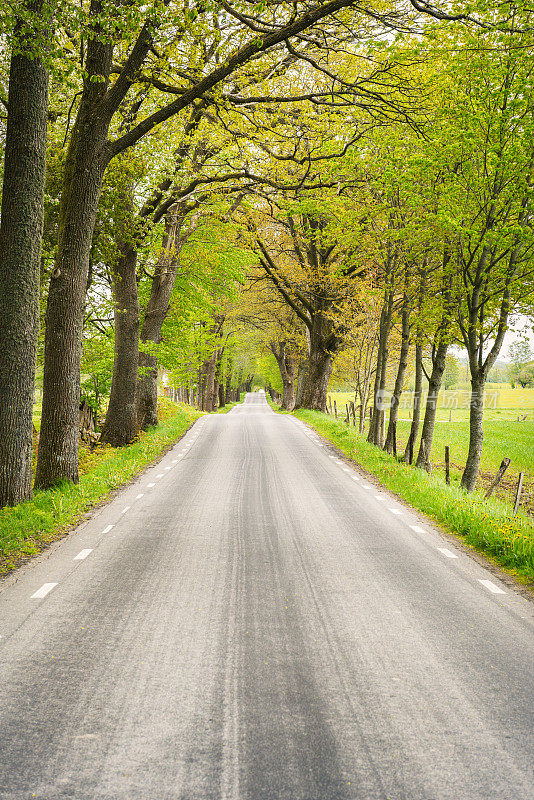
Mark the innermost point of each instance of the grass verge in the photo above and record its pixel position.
(27, 528)
(486, 525)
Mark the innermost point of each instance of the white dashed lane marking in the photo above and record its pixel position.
(107, 529)
(139, 496)
(125, 509)
(83, 554)
(417, 528)
(491, 587)
(447, 553)
(150, 485)
(159, 476)
(43, 591)
(394, 510)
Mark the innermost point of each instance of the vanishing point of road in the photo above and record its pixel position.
(253, 619)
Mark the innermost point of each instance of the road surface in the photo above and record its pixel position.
(254, 620)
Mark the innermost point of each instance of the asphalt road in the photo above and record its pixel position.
(253, 620)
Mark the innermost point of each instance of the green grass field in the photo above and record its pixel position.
(504, 437)
(502, 403)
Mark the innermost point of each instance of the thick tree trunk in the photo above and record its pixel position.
(147, 391)
(120, 426)
(318, 374)
(20, 247)
(287, 365)
(322, 347)
(476, 433)
(58, 442)
(434, 385)
(86, 161)
(208, 368)
(288, 382)
(390, 445)
(418, 392)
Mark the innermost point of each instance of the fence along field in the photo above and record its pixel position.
(508, 433)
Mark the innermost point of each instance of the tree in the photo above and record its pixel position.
(520, 355)
(90, 151)
(451, 375)
(20, 243)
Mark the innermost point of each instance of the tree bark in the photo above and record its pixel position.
(301, 381)
(434, 385)
(120, 427)
(418, 392)
(155, 314)
(287, 364)
(86, 161)
(323, 344)
(476, 433)
(377, 420)
(390, 445)
(20, 247)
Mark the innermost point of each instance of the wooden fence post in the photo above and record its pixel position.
(447, 466)
(353, 412)
(347, 410)
(518, 492)
(335, 409)
(505, 463)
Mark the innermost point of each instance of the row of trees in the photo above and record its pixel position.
(218, 178)
(426, 243)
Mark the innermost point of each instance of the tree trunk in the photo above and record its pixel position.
(208, 382)
(287, 365)
(120, 426)
(58, 442)
(377, 421)
(390, 445)
(418, 391)
(155, 314)
(86, 161)
(228, 386)
(301, 381)
(317, 377)
(476, 433)
(322, 346)
(288, 382)
(20, 247)
(434, 385)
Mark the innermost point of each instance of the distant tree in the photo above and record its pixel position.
(451, 376)
(520, 355)
(526, 375)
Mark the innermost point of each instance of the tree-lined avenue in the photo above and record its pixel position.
(252, 619)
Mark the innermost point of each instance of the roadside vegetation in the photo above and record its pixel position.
(27, 528)
(486, 525)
